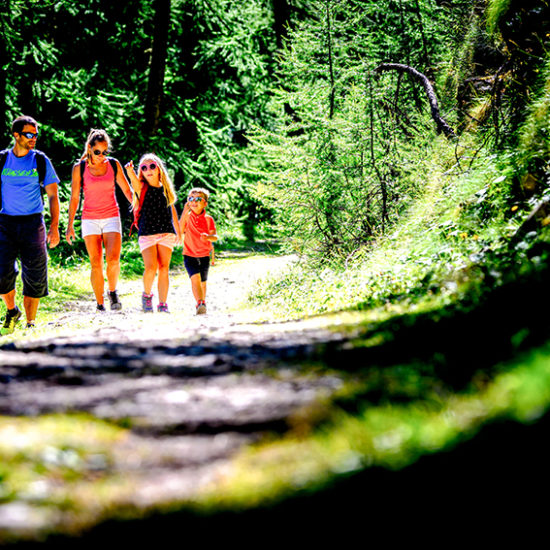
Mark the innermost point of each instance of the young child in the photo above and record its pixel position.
(156, 218)
(199, 232)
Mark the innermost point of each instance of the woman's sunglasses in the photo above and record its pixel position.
(98, 152)
(151, 166)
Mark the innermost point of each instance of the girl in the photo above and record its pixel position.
(156, 218)
(96, 174)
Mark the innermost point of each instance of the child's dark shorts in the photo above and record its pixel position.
(24, 238)
(197, 265)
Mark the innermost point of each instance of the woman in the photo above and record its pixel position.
(96, 174)
(158, 229)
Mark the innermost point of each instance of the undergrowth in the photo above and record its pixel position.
(447, 246)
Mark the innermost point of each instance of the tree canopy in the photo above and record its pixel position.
(271, 103)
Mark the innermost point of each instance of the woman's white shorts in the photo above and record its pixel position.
(98, 227)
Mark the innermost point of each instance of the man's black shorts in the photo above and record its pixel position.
(197, 265)
(24, 238)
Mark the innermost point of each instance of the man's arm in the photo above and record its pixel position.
(53, 198)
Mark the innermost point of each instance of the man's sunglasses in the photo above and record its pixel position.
(98, 152)
(29, 135)
(151, 166)
(195, 199)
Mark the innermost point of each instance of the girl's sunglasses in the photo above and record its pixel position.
(151, 166)
(98, 152)
(195, 199)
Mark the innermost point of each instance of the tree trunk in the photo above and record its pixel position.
(3, 82)
(161, 24)
(330, 61)
(281, 16)
(442, 125)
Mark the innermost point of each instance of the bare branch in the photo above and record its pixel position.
(442, 125)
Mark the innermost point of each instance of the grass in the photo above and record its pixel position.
(439, 251)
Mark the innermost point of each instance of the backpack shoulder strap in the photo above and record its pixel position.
(114, 164)
(3, 157)
(40, 166)
(82, 164)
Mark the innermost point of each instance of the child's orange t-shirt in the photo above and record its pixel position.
(193, 245)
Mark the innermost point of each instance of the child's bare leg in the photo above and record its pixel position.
(150, 260)
(164, 256)
(196, 285)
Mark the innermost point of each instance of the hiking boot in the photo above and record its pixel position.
(100, 307)
(147, 302)
(113, 298)
(201, 308)
(163, 308)
(10, 321)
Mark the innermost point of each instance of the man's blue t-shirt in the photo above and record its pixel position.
(20, 190)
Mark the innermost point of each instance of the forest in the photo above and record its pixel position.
(399, 149)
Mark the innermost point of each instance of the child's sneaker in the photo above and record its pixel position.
(30, 325)
(163, 308)
(201, 307)
(147, 302)
(115, 302)
(10, 321)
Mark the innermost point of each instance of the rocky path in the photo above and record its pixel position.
(193, 391)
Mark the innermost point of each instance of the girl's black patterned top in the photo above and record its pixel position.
(156, 215)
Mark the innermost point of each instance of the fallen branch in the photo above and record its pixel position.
(442, 125)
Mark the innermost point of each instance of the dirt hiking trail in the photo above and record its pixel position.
(192, 390)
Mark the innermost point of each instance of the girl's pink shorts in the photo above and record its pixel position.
(161, 239)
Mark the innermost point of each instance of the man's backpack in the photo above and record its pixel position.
(40, 168)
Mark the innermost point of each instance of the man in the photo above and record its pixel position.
(22, 229)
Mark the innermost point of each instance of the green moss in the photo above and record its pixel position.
(390, 436)
(496, 9)
(52, 449)
(534, 141)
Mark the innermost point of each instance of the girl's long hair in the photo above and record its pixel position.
(166, 182)
(95, 135)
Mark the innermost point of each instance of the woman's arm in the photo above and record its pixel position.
(123, 183)
(74, 201)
